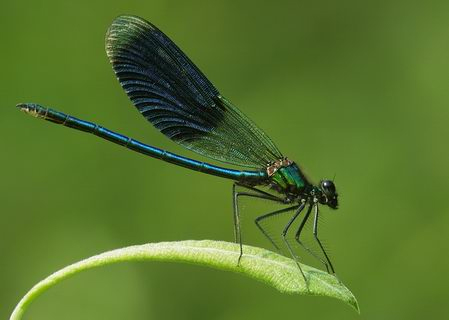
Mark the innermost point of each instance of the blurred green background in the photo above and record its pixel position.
(353, 88)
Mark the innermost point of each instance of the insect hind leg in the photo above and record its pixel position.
(250, 192)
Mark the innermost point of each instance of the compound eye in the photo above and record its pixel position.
(328, 186)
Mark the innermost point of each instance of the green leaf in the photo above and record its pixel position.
(260, 264)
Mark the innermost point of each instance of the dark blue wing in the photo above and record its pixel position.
(176, 97)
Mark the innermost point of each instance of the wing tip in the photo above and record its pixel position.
(122, 29)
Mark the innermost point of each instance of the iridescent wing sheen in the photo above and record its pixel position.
(176, 97)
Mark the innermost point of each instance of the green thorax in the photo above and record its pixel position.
(289, 179)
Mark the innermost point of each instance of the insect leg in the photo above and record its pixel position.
(259, 219)
(256, 194)
(298, 233)
(284, 237)
(315, 234)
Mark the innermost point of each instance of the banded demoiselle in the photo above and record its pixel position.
(177, 98)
